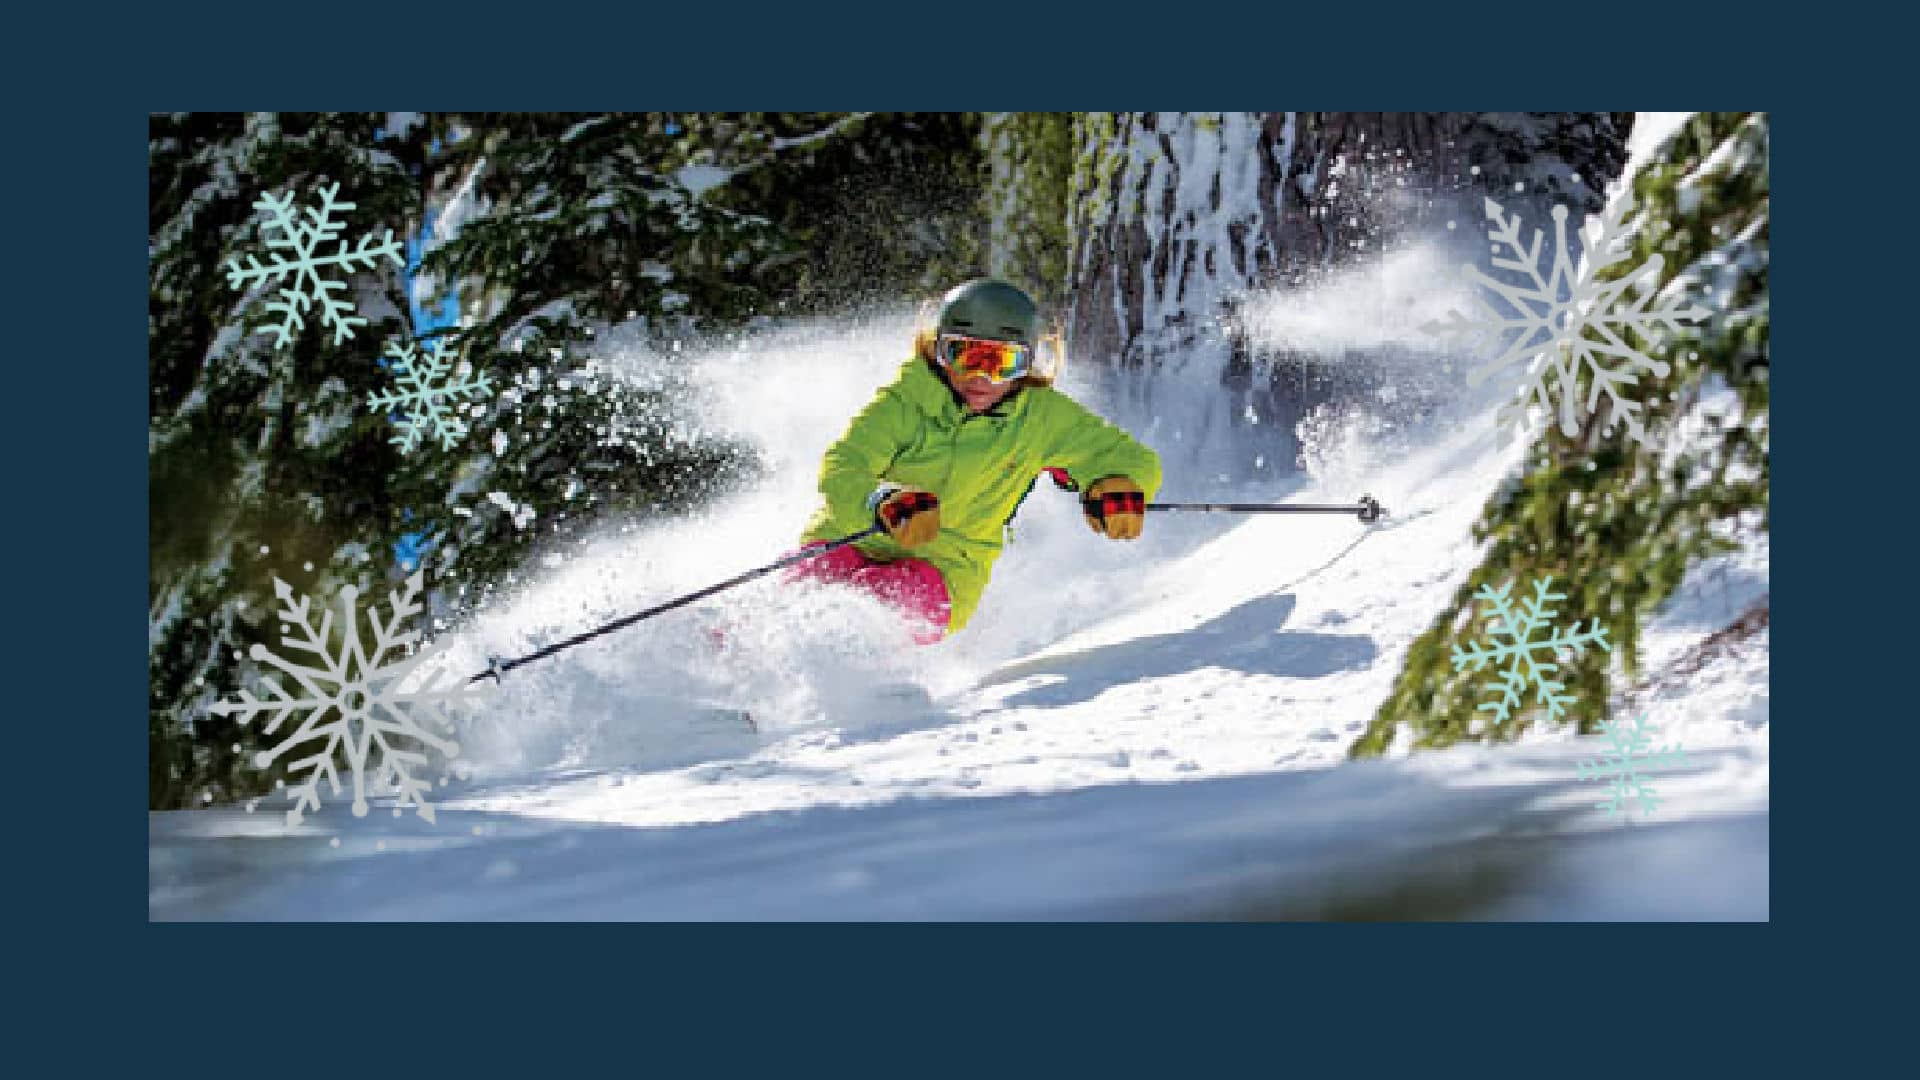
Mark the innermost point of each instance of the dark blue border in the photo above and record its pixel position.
(898, 1000)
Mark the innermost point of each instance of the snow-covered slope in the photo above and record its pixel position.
(1154, 730)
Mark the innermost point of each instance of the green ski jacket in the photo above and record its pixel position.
(917, 432)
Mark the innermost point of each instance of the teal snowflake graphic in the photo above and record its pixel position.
(300, 240)
(433, 391)
(1631, 752)
(1530, 661)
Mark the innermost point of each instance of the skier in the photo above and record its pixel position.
(942, 457)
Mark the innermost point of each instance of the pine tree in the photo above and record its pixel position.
(699, 221)
(1616, 523)
(260, 458)
(553, 229)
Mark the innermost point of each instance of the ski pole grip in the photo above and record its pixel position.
(1370, 510)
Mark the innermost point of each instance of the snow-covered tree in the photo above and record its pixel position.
(1615, 521)
(261, 457)
(549, 231)
(1030, 156)
(1176, 216)
(1155, 229)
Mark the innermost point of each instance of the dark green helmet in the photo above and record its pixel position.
(985, 308)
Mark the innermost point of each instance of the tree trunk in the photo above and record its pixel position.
(1175, 218)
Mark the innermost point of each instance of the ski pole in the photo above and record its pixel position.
(498, 667)
(1368, 508)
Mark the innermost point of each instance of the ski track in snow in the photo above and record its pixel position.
(1179, 754)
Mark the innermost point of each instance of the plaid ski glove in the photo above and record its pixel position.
(909, 515)
(1115, 508)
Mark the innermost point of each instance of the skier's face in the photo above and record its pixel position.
(980, 392)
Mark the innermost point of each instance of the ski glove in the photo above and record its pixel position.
(1115, 507)
(909, 515)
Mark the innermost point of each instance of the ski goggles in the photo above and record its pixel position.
(999, 361)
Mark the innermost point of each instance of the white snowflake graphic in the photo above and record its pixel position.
(360, 703)
(1630, 753)
(433, 389)
(302, 239)
(1571, 325)
(1529, 661)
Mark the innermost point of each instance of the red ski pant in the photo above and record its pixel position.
(911, 586)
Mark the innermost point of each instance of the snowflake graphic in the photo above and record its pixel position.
(428, 383)
(354, 701)
(302, 240)
(1522, 651)
(1572, 338)
(1630, 753)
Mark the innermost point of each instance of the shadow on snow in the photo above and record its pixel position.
(1244, 639)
